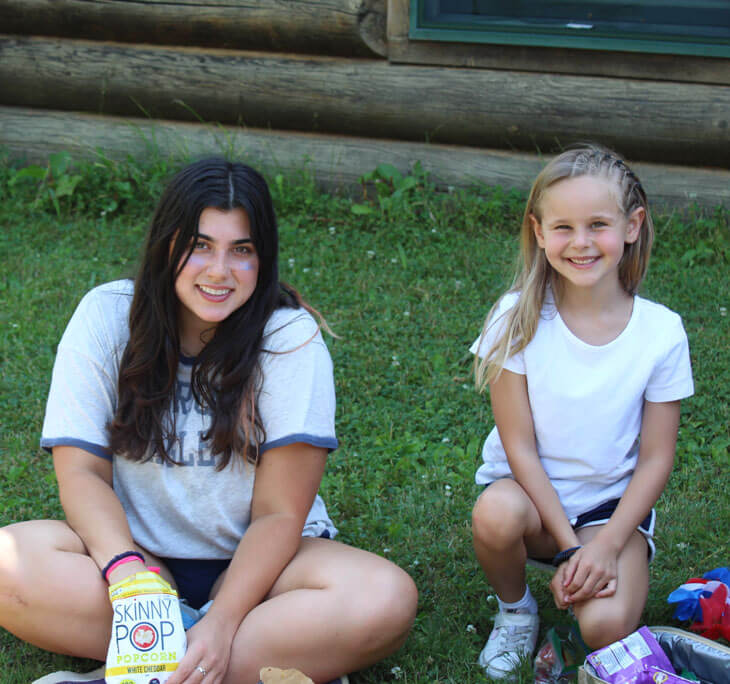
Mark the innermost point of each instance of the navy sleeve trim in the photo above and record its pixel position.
(96, 449)
(329, 443)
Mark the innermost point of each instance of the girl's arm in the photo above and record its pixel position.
(92, 508)
(592, 570)
(287, 480)
(512, 414)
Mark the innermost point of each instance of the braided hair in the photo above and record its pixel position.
(534, 274)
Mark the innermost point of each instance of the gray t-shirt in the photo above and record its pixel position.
(192, 510)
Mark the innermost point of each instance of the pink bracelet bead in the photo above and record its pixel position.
(122, 561)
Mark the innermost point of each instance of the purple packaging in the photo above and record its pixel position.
(628, 661)
(655, 675)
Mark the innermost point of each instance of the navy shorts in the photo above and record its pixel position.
(600, 515)
(195, 578)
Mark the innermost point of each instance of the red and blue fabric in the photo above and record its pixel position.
(706, 601)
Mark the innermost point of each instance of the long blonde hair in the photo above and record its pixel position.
(534, 273)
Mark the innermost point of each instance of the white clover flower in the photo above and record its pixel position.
(291, 261)
(306, 270)
(386, 550)
(458, 284)
(371, 253)
(394, 260)
(723, 311)
(395, 361)
(397, 672)
(471, 629)
(406, 313)
(332, 230)
(445, 440)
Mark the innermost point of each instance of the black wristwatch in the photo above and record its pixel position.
(563, 556)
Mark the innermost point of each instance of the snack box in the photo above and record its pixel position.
(708, 660)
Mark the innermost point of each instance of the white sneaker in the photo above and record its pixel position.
(513, 638)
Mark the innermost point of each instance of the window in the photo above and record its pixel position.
(693, 27)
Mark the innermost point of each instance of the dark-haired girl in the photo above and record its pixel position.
(190, 416)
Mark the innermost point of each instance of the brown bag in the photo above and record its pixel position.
(273, 675)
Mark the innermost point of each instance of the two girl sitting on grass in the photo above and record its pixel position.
(191, 413)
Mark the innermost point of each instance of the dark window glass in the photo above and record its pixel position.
(649, 25)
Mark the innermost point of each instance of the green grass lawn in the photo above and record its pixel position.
(405, 278)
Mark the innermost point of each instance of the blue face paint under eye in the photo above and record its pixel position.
(203, 259)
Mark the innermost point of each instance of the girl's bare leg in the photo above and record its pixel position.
(505, 526)
(333, 610)
(605, 620)
(52, 594)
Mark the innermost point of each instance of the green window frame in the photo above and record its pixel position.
(692, 27)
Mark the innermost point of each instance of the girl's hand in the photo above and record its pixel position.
(557, 588)
(209, 650)
(591, 572)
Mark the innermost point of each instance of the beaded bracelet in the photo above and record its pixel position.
(563, 556)
(126, 557)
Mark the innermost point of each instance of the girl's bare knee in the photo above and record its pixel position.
(603, 625)
(499, 517)
(11, 576)
(386, 609)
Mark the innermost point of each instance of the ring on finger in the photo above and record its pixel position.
(202, 670)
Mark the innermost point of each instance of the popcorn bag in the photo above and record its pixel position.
(148, 640)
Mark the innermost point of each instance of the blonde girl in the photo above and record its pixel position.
(585, 379)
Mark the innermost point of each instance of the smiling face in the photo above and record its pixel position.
(583, 231)
(219, 276)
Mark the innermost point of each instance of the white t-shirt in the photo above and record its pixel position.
(192, 510)
(587, 401)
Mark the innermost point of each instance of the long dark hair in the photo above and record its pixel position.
(225, 378)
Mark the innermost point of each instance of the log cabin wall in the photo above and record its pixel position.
(339, 82)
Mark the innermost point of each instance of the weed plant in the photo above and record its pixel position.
(404, 275)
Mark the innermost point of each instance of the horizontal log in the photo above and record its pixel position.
(337, 27)
(336, 161)
(610, 63)
(654, 121)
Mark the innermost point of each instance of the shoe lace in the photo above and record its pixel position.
(516, 636)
